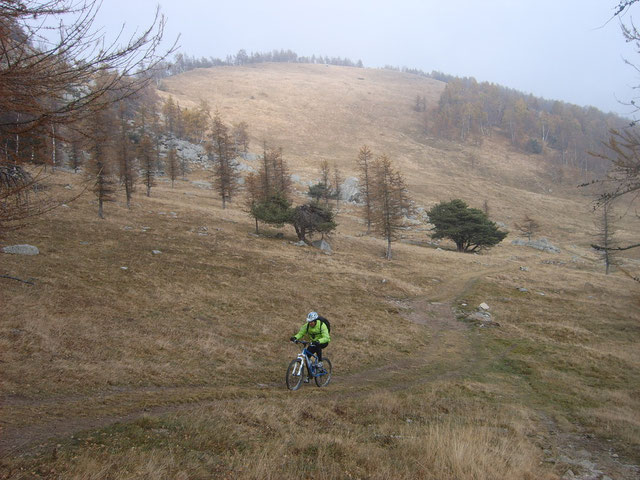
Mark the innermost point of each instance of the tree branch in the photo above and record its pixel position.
(17, 279)
(629, 247)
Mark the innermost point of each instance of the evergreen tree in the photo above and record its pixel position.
(468, 228)
(312, 218)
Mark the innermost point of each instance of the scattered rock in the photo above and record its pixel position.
(552, 262)
(301, 243)
(483, 319)
(524, 269)
(523, 290)
(21, 250)
(124, 268)
(483, 306)
(540, 244)
(156, 252)
(202, 184)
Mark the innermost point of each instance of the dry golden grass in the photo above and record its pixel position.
(187, 348)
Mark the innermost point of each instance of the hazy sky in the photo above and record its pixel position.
(560, 49)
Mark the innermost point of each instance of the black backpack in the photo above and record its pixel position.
(322, 320)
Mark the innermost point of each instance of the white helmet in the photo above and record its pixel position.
(312, 317)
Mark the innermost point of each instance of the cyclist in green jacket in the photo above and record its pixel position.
(316, 329)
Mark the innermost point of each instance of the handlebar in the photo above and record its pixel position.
(303, 342)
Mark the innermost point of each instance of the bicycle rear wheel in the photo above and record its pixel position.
(324, 377)
(295, 374)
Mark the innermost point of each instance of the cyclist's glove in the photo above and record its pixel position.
(293, 339)
(314, 344)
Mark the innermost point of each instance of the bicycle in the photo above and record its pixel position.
(309, 361)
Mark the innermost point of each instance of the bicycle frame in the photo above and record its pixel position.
(305, 357)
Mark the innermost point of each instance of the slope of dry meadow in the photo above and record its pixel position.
(118, 362)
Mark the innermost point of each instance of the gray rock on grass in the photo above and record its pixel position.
(322, 245)
(21, 249)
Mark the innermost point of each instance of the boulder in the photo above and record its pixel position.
(322, 245)
(21, 250)
(349, 191)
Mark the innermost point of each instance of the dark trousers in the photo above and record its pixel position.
(317, 349)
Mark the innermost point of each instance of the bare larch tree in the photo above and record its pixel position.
(365, 159)
(390, 200)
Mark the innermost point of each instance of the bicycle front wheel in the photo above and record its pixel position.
(324, 375)
(295, 374)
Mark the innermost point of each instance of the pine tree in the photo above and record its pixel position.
(468, 228)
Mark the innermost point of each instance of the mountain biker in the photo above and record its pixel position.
(316, 329)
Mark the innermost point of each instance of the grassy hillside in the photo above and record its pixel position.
(121, 363)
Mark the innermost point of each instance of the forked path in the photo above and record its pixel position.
(449, 350)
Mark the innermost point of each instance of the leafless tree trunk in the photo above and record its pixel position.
(365, 157)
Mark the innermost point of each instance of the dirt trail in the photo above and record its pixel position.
(60, 417)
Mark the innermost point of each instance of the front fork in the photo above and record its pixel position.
(300, 365)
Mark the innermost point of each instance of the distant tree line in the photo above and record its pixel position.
(470, 111)
(183, 62)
